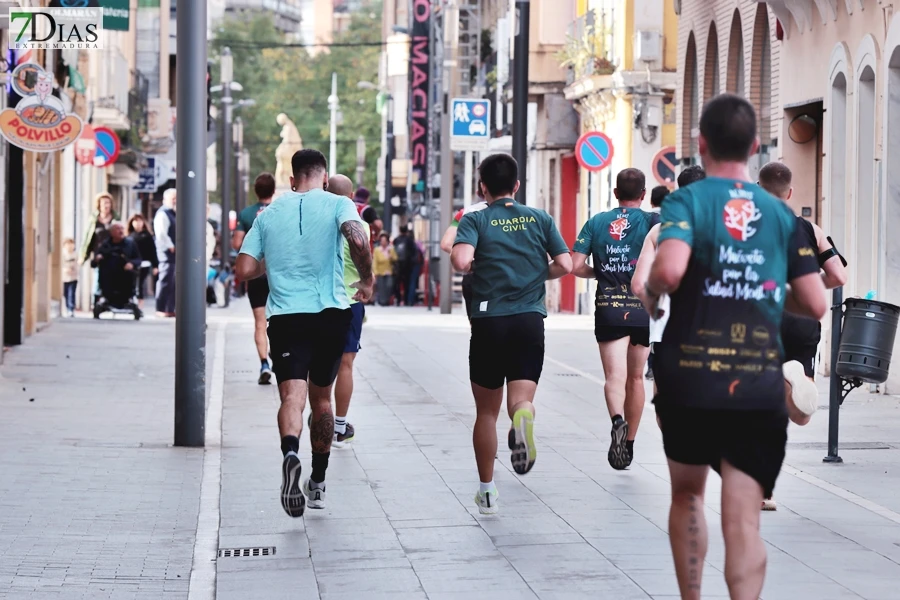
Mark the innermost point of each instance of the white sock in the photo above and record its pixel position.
(486, 487)
(340, 425)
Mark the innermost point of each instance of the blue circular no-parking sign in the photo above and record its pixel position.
(594, 151)
(108, 146)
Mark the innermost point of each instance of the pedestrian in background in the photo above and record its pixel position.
(70, 275)
(141, 234)
(405, 247)
(383, 260)
(96, 232)
(657, 195)
(164, 227)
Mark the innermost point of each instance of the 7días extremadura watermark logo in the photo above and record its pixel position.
(56, 28)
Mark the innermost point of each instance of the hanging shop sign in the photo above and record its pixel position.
(420, 88)
(39, 122)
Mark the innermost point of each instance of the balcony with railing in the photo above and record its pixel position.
(111, 105)
(590, 46)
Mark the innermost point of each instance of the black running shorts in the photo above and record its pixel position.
(752, 441)
(258, 292)
(509, 348)
(800, 337)
(640, 336)
(467, 293)
(308, 346)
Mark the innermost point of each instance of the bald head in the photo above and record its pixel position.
(340, 185)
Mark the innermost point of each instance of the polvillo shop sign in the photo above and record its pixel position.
(39, 121)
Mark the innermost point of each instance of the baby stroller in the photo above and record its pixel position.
(117, 285)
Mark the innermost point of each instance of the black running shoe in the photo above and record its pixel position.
(292, 500)
(619, 457)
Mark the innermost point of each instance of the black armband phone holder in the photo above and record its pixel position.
(831, 252)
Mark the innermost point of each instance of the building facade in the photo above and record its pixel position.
(47, 196)
(825, 79)
(621, 59)
(728, 46)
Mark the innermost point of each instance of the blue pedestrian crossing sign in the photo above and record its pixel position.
(470, 127)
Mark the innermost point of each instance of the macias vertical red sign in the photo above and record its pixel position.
(419, 81)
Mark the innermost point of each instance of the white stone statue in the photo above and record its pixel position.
(290, 143)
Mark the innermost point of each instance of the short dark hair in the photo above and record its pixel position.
(499, 174)
(362, 194)
(657, 194)
(690, 175)
(775, 178)
(264, 186)
(305, 163)
(728, 124)
(630, 184)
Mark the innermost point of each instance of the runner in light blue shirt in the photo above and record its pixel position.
(298, 243)
(300, 239)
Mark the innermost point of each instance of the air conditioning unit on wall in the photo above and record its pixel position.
(648, 46)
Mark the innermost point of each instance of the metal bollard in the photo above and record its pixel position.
(835, 391)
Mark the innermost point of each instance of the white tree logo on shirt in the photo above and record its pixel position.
(618, 228)
(738, 216)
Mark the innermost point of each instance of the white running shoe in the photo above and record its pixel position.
(769, 504)
(487, 502)
(803, 391)
(315, 495)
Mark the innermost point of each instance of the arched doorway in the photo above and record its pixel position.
(690, 136)
(891, 254)
(838, 163)
(866, 204)
(711, 65)
(761, 72)
(735, 82)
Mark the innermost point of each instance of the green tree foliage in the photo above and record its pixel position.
(297, 82)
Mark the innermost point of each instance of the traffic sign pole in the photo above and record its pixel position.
(451, 79)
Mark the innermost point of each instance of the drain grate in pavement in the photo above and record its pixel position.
(246, 552)
(842, 446)
(568, 375)
(241, 372)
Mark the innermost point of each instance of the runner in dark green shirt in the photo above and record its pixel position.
(614, 239)
(727, 252)
(509, 247)
(257, 289)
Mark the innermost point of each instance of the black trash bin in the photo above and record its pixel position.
(867, 340)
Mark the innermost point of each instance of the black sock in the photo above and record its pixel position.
(629, 445)
(319, 466)
(617, 418)
(264, 362)
(290, 443)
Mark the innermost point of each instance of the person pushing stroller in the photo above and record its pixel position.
(119, 261)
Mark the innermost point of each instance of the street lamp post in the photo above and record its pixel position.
(333, 105)
(388, 160)
(227, 66)
(360, 160)
(240, 198)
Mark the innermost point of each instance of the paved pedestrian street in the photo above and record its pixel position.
(96, 503)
